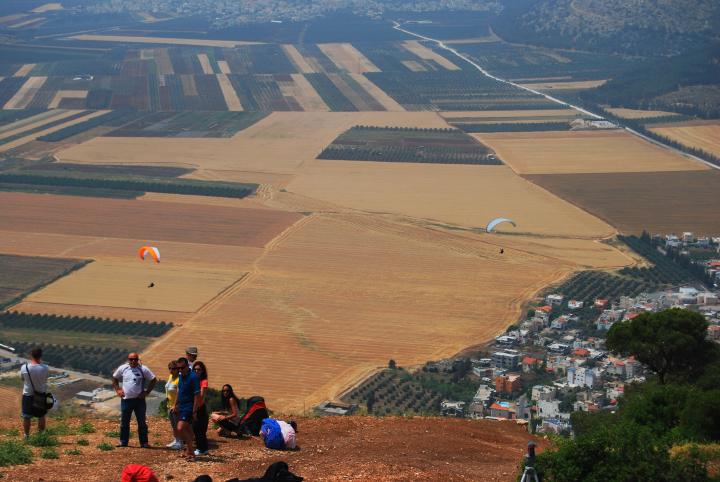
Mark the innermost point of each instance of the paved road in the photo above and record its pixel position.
(442, 45)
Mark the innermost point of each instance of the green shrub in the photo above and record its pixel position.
(61, 428)
(13, 452)
(73, 452)
(104, 446)
(114, 434)
(43, 439)
(49, 453)
(86, 427)
(83, 441)
(10, 432)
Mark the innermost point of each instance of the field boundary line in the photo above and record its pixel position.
(442, 45)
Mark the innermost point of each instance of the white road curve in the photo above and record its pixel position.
(442, 45)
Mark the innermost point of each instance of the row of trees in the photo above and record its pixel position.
(662, 426)
(42, 127)
(514, 127)
(171, 186)
(31, 321)
(75, 129)
(430, 155)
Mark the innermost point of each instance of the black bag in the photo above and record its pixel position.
(41, 402)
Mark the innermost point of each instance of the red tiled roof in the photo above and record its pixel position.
(546, 309)
(528, 360)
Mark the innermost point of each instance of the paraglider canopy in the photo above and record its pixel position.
(151, 251)
(491, 225)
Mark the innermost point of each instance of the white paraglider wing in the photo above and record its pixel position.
(491, 225)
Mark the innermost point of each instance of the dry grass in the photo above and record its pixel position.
(464, 195)
(425, 53)
(279, 143)
(576, 85)
(163, 40)
(24, 70)
(231, 98)
(638, 114)
(125, 285)
(34, 121)
(584, 152)
(414, 65)
(705, 137)
(66, 94)
(348, 58)
(385, 100)
(224, 66)
(298, 60)
(149, 220)
(344, 293)
(659, 202)
(9, 402)
(25, 94)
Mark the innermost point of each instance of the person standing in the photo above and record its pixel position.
(34, 375)
(138, 382)
(186, 405)
(171, 392)
(191, 353)
(200, 423)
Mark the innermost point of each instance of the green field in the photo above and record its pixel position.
(395, 144)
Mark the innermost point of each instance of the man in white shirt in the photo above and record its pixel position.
(137, 382)
(34, 375)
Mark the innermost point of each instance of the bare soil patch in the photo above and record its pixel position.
(205, 64)
(298, 60)
(66, 94)
(331, 449)
(231, 98)
(148, 220)
(659, 202)
(24, 70)
(584, 152)
(304, 93)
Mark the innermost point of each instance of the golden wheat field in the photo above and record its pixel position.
(638, 113)
(704, 136)
(9, 401)
(601, 151)
(343, 294)
(117, 284)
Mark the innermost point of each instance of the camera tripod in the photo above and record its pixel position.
(529, 475)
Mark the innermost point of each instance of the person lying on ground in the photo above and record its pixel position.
(229, 417)
(279, 435)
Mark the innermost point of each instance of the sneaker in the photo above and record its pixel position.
(175, 445)
(121, 445)
(200, 452)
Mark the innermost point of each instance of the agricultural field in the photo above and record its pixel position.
(21, 275)
(563, 86)
(9, 401)
(116, 218)
(659, 202)
(344, 293)
(583, 152)
(511, 116)
(638, 114)
(433, 146)
(460, 195)
(125, 285)
(703, 136)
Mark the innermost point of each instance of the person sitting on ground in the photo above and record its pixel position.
(229, 417)
(34, 375)
(279, 435)
(186, 405)
(171, 392)
(137, 383)
(200, 422)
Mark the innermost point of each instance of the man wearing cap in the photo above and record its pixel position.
(191, 353)
(137, 382)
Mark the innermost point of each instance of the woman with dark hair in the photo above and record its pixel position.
(200, 423)
(229, 417)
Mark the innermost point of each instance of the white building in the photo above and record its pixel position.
(543, 392)
(582, 376)
(548, 408)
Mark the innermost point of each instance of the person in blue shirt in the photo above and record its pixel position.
(186, 405)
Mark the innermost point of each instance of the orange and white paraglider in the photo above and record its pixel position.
(151, 251)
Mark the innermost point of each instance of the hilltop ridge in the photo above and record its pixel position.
(334, 448)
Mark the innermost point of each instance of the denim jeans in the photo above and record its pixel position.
(127, 407)
(200, 426)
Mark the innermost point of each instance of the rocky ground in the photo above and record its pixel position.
(331, 449)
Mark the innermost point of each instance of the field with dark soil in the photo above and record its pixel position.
(659, 202)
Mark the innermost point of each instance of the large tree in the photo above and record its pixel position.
(670, 342)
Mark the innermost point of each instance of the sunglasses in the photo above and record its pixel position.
(198, 369)
(133, 359)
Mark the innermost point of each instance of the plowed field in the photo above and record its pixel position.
(148, 220)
